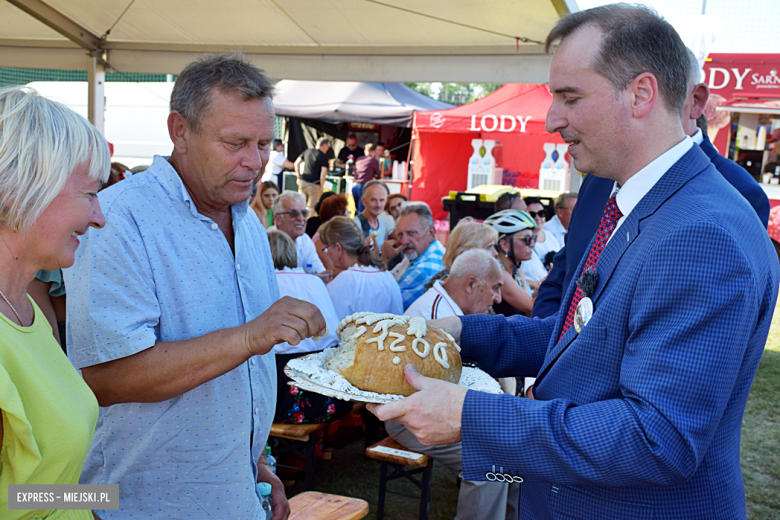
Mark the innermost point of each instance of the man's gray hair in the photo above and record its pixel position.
(288, 195)
(563, 198)
(228, 72)
(374, 183)
(41, 144)
(695, 75)
(635, 40)
(475, 262)
(420, 209)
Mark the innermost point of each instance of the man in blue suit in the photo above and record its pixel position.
(595, 192)
(637, 410)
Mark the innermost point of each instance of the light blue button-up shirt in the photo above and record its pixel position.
(160, 271)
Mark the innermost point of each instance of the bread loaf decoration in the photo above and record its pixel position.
(376, 347)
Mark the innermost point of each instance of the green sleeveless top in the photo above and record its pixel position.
(48, 412)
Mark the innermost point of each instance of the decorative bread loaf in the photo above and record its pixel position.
(376, 347)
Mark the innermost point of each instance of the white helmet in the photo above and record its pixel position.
(510, 221)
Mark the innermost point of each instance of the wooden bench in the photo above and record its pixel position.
(311, 505)
(297, 439)
(391, 453)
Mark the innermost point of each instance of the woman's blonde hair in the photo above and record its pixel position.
(345, 232)
(283, 250)
(468, 235)
(41, 143)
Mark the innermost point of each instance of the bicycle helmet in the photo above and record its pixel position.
(507, 223)
(510, 221)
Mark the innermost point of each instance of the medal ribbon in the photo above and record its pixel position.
(608, 222)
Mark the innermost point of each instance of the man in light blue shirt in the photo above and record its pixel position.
(417, 237)
(172, 312)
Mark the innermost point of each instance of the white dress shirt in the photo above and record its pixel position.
(363, 288)
(309, 288)
(555, 228)
(640, 184)
(434, 304)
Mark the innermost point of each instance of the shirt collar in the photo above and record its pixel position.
(437, 285)
(698, 137)
(172, 182)
(643, 181)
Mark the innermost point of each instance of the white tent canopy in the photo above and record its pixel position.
(494, 41)
(348, 101)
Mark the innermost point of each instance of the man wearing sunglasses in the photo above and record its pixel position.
(290, 213)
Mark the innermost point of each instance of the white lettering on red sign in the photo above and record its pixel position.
(491, 123)
(714, 71)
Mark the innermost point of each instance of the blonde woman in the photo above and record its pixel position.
(364, 285)
(294, 405)
(52, 164)
(467, 234)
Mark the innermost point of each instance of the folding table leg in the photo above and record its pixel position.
(310, 462)
(425, 492)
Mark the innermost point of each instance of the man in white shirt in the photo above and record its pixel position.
(277, 163)
(473, 285)
(290, 215)
(559, 224)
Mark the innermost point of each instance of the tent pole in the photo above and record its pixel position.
(409, 173)
(96, 78)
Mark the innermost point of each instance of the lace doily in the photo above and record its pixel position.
(310, 373)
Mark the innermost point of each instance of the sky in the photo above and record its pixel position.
(728, 26)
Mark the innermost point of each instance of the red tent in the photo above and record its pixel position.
(513, 115)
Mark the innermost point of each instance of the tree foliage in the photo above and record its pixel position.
(455, 93)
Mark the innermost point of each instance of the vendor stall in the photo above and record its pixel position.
(374, 112)
(744, 111)
(499, 139)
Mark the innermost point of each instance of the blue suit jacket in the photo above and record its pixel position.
(586, 216)
(639, 415)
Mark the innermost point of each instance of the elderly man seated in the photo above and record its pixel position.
(473, 285)
(290, 214)
(417, 241)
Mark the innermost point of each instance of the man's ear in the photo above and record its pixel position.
(471, 284)
(179, 131)
(644, 94)
(700, 93)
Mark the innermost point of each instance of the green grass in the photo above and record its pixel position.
(761, 434)
(352, 474)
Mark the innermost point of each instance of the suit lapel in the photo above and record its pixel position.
(690, 165)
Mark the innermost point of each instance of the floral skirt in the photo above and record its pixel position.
(296, 406)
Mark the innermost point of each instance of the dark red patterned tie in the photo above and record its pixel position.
(608, 221)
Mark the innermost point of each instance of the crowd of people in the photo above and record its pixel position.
(191, 285)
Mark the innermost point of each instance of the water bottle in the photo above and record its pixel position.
(270, 459)
(264, 489)
(309, 269)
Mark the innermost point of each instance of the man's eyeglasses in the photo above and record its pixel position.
(540, 214)
(294, 213)
(529, 240)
